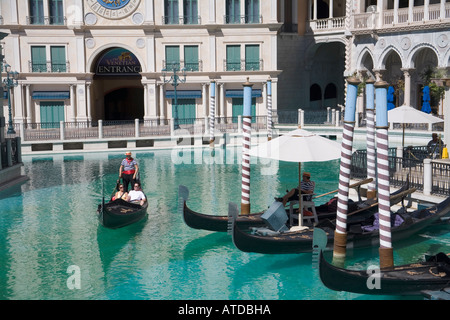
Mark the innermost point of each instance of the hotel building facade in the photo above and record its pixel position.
(85, 60)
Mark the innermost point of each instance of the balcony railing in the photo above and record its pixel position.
(391, 18)
(47, 20)
(404, 17)
(243, 65)
(181, 20)
(48, 66)
(246, 19)
(188, 66)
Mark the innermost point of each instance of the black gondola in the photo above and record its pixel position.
(409, 279)
(271, 242)
(197, 220)
(120, 213)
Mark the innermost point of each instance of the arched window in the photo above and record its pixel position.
(330, 91)
(315, 93)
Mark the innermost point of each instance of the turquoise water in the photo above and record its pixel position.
(48, 229)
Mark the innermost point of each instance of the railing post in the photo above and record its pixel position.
(22, 130)
(427, 177)
(239, 124)
(172, 126)
(337, 118)
(18, 150)
(9, 152)
(136, 128)
(299, 118)
(61, 130)
(100, 129)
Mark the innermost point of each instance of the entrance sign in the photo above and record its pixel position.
(113, 9)
(119, 62)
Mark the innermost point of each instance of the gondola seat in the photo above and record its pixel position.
(305, 205)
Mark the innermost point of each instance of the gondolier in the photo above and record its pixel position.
(128, 171)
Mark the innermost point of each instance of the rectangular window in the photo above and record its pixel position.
(186, 110)
(38, 59)
(191, 58)
(172, 58)
(36, 11)
(171, 15)
(52, 112)
(252, 11)
(252, 57)
(58, 56)
(56, 12)
(233, 11)
(190, 8)
(233, 58)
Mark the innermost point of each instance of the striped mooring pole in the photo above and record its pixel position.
(370, 136)
(269, 109)
(212, 113)
(340, 236)
(384, 206)
(246, 136)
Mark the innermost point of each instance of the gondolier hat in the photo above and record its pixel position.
(307, 174)
(128, 153)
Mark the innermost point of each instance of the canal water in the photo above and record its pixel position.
(52, 246)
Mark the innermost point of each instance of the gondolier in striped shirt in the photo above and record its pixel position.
(306, 187)
(128, 171)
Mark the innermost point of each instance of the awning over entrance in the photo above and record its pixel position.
(256, 93)
(184, 94)
(50, 95)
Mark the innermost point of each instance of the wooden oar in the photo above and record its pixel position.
(356, 184)
(392, 198)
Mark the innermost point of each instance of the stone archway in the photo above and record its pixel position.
(117, 90)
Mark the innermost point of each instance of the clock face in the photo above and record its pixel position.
(113, 9)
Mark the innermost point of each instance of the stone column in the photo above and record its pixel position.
(407, 92)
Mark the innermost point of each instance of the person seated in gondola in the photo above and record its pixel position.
(306, 187)
(136, 195)
(121, 194)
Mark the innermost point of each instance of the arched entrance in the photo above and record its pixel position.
(124, 104)
(118, 93)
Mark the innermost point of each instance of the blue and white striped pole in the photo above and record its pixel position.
(212, 113)
(370, 137)
(340, 235)
(269, 109)
(246, 136)
(384, 206)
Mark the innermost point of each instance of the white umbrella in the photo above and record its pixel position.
(407, 114)
(298, 146)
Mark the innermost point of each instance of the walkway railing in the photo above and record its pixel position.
(411, 166)
(103, 129)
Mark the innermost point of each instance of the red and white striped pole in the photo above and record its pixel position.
(246, 137)
(212, 113)
(370, 136)
(384, 206)
(340, 235)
